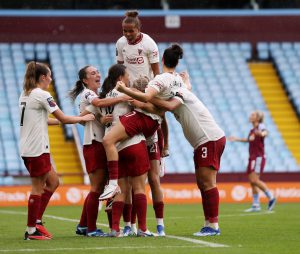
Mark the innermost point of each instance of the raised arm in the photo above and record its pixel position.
(143, 97)
(147, 106)
(106, 102)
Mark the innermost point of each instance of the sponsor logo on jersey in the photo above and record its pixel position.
(87, 95)
(154, 53)
(135, 60)
(157, 84)
(51, 102)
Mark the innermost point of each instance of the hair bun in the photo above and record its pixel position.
(177, 50)
(132, 14)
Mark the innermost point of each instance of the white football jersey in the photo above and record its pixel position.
(93, 130)
(166, 84)
(34, 111)
(138, 57)
(118, 110)
(197, 123)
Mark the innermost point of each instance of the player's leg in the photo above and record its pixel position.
(206, 180)
(97, 179)
(117, 208)
(140, 202)
(52, 183)
(157, 195)
(116, 134)
(207, 158)
(34, 201)
(127, 212)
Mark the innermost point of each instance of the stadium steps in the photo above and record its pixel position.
(64, 153)
(278, 104)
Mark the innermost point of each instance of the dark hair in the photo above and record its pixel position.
(79, 85)
(32, 75)
(132, 17)
(109, 83)
(172, 55)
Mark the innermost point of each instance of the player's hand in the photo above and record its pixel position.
(165, 152)
(136, 103)
(120, 86)
(232, 138)
(106, 119)
(125, 98)
(87, 118)
(185, 76)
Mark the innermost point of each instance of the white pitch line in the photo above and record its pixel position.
(208, 244)
(186, 239)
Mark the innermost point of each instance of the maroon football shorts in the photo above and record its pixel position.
(38, 166)
(136, 122)
(209, 154)
(94, 156)
(134, 160)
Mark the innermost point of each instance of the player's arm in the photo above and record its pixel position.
(261, 133)
(186, 79)
(165, 131)
(106, 102)
(236, 139)
(143, 97)
(59, 115)
(147, 106)
(168, 105)
(155, 68)
(53, 121)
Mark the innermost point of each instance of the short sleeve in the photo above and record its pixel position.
(157, 83)
(48, 102)
(262, 127)
(119, 53)
(90, 96)
(152, 50)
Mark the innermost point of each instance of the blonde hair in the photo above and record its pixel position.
(141, 83)
(260, 116)
(32, 74)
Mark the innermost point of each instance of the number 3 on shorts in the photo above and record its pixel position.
(204, 152)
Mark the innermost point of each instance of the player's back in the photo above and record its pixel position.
(197, 123)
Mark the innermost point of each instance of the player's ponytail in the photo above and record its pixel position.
(132, 17)
(172, 55)
(114, 74)
(32, 75)
(79, 85)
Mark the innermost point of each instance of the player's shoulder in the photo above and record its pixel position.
(87, 92)
(38, 92)
(147, 39)
(121, 42)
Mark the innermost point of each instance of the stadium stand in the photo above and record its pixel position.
(220, 76)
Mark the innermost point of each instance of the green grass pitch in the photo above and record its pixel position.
(261, 232)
